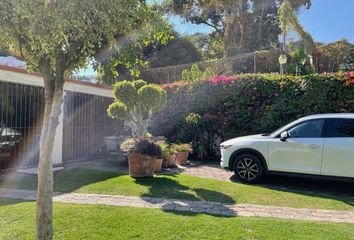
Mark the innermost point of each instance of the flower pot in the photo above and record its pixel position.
(171, 160)
(158, 165)
(141, 165)
(165, 163)
(182, 157)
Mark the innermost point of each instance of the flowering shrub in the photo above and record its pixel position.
(141, 146)
(248, 103)
(222, 80)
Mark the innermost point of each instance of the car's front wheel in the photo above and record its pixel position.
(248, 168)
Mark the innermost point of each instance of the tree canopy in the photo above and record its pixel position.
(246, 25)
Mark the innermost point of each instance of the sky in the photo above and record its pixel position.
(326, 21)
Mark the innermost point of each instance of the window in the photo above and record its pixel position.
(342, 128)
(308, 129)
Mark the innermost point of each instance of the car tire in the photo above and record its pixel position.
(248, 168)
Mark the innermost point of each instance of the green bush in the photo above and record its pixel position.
(247, 104)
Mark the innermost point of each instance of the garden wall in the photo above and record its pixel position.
(247, 104)
(261, 62)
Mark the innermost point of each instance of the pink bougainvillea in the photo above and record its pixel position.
(225, 80)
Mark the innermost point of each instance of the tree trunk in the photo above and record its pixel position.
(53, 101)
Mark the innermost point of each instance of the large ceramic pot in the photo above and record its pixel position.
(171, 160)
(158, 165)
(182, 157)
(141, 165)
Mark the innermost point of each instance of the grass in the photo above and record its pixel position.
(104, 222)
(181, 186)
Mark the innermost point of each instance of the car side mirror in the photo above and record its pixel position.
(284, 136)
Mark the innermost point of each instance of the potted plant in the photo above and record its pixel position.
(168, 155)
(142, 155)
(182, 152)
(158, 161)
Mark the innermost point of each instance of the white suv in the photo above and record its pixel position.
(321, 145)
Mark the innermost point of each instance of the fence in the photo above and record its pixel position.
(21, 109)
(85, 125)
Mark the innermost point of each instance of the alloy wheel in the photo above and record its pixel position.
(247, 168)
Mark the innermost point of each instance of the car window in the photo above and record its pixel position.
(341, 128)
(308, 129)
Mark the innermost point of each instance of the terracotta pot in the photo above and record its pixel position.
(182, 157)
(158, 165)
(172, 160)
(165, 163)
(141, 165)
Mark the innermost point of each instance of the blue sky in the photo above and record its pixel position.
(326, 20)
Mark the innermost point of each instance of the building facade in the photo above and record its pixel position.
(83, 123)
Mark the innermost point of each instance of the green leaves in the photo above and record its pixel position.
(118, 110)
(152, 97)
(136, 102)
(68, 31)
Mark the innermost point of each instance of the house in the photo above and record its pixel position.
(83, 124)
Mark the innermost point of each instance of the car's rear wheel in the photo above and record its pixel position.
(248, 168)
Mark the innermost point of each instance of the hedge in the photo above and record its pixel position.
(247, 104)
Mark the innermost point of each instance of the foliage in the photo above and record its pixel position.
(142, 146)
(166, 150)
(299, 63)
(136, 102)
(135, 51)
(248, 104)
(178, 51)
(335, 56)
(245, 26)
(289, 21)
(210, 45)
(127, 144)
(195, 74)
(182, 147)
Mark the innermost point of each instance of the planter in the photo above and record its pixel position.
(182, 157)
(165, 163)
(172, 160)
(141, 165)
(158, 165)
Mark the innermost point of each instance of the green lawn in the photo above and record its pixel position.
(87, 222)
(180, 186)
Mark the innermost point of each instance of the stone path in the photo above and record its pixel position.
(214, 208)
(205, 171)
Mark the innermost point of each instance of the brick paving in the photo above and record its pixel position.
(213, 208)
(205, 171)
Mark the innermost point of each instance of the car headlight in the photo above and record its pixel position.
(225, 146)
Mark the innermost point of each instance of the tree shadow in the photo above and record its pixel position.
(66, 181)
(314, 187)
(180, 199)
(8, 201)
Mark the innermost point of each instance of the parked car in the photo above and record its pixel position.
(9, 139)
(318, 145)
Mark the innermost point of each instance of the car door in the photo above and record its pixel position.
(301, 152)
(338, 152)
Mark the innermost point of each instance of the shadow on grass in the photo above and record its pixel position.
(328, 189)
(182, 198)
(8, 201)
(64, 181)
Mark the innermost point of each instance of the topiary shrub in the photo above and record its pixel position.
(136, 102)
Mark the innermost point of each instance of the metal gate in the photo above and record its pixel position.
(21, 111)
(86, 124)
